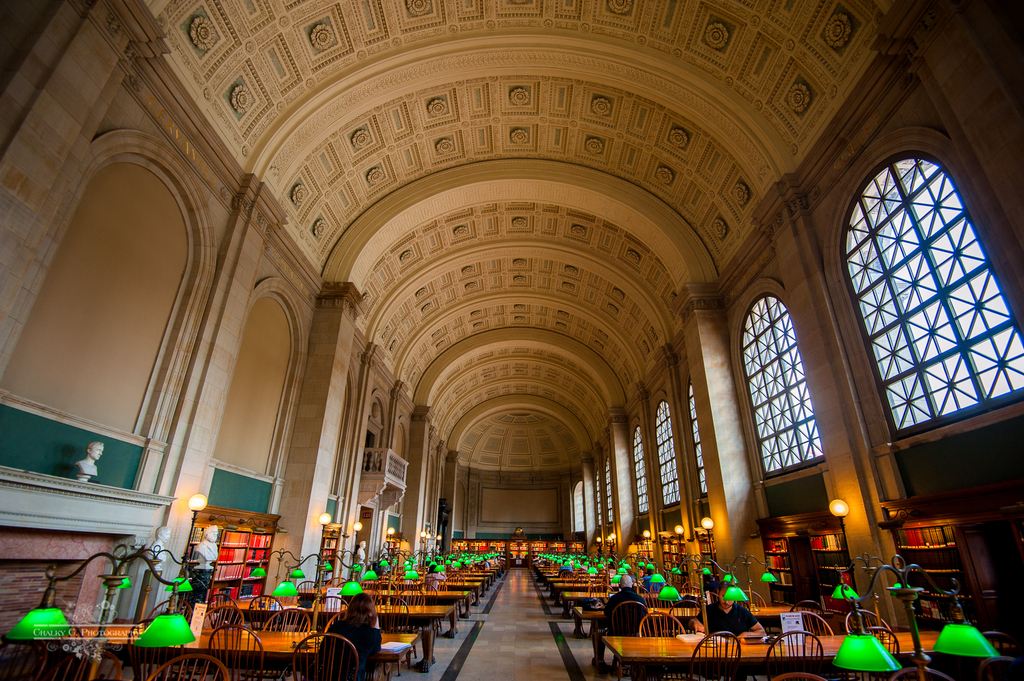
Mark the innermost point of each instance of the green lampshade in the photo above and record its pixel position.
(330, 568)
(258, 572)
(40, 623)
(184, 586)
(706, 571)
(768, 578)
(297, 573)
(385, 563)
(369, 576)
(456, 565)
(591, 570)
(351, 589)
(126, 583)
(668, 593)
(960, 638)
(650, 566)
(728, 578)
(897, 585)
(657, 578)
(676, 571)
(734, 594)
(166, 630)
(285, 589)
(412, 574)
(864, 653)
(843, 592)
(623, 571)
(616, 578)
(357, 568)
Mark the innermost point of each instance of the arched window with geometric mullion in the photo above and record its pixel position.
(640, 472)
(698, 452)
(609, 507)
(940, 330)
(666, 455)
(787, 434)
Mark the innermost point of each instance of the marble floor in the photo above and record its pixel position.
(512, 636)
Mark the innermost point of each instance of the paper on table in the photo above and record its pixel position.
(395, 646)
(690, 638)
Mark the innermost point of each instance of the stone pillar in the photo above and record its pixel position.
(590, 524)
(448, 491)
(348, 468)
(314, 443)
(623, 491)
(726, 464)
(420, 436)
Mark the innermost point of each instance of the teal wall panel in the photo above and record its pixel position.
(41, 445)
(979, 457)
(457, 534)
(802, 495)
(332, 506)
(394, 521)
(239, 491)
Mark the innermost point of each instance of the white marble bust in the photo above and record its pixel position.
(206, 550)
(87, 466)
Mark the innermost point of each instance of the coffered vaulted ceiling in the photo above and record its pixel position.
(520, 188)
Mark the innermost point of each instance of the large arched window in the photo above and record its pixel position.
(702, 480)
(640, 471)
(783, 416)
(941, 332)
(608, 489)
(578, 522)
(666, 455)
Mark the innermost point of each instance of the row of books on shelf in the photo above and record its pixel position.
(778, 562)
(258, 555)
(785, 578)
(838, 559)
(231, 571)
(776, 545)
(244, 591)
(925, 537)
(826, 542)
(234, 538)
(227, 555)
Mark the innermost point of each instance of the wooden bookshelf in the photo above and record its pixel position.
(576, 547)
(329, 541)
(807, 555)
(672, 549)
(246, 540)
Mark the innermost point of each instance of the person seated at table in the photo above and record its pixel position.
(565, 567)
(625, 593)
(359, 625)
(647, 574)
(725, 615)
(434, 578)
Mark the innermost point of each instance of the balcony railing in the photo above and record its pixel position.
(383, 477)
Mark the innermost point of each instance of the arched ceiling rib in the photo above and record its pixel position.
(453, 430)
(591, 365)
(520, 440)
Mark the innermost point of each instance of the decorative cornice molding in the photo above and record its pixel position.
(344, 295)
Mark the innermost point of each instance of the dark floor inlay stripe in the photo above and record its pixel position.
(490, 602)
(572, 667)
(543, 601)
(455, 666)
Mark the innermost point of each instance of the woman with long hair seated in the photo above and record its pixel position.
(359, 625)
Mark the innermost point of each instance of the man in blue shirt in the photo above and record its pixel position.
(725, 615)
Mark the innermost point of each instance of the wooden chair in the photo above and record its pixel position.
(218, 599)
(1004, 644)
(717, 656)
(910, 673)
(994, 668)
(191, 667)
(414, 598)
(816, 624)
(808, 606)
(757, 599)
(325, 657)
(164, 608)
(333, 618)
(289, 619)
(660, 624)
(71, 667)
(795, 651)
(870, 620)
(625, 618)
(798, 676)
(143, 660)
(241, 651)
(265, 603)
(21, 661)
(221, 615)
(887, 638)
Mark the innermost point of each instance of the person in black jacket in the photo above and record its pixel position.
(359, 625)
(624, 594)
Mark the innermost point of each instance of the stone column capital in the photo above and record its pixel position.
(342, 295)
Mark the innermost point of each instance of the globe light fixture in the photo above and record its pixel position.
(197, 502)
(357, 526)
(679, 529)
(707, 523)
(647, 534)
(839, 508)
(325, 518)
